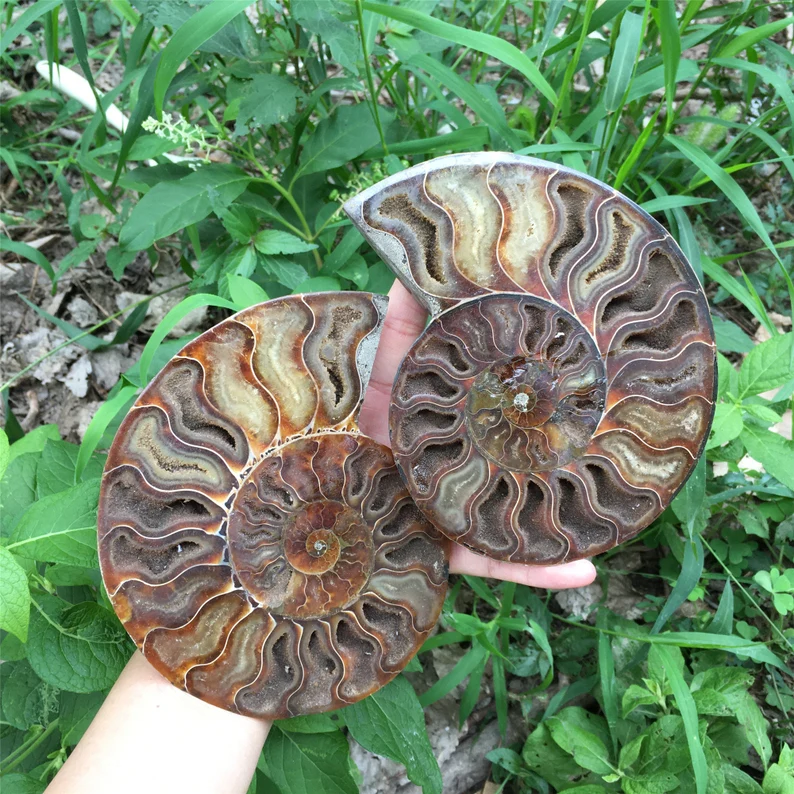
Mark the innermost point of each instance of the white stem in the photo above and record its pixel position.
(77, 87)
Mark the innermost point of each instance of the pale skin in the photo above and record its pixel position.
(150, 736)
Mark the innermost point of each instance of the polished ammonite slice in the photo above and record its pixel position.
(564, 389)
(262, 553)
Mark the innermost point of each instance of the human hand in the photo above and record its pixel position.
(405, 320)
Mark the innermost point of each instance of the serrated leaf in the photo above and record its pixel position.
(309, 763)
(273, 241)
(14, 596)
(767, 366)
(392, 723)
(61, 527)
(322, 17)
(171, 206)
(80, 648)
(269, 99)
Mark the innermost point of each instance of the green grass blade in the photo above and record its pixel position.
(182, 309)
(727, 184)
(27, 18)
(671, 52)
(504, 51)
(606, 671)
(777, 81)
(203, 25)
(102, 418)
(752, 37)
(732, 286)
(686, 705)
(624, 61)
(636, 150)
(29, 252)
(470, 95)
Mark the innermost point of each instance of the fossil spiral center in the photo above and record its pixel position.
(525, 389)
(315, 535)
(299, 549)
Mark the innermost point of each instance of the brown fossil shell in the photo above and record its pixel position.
(564, 389)
(262, 553)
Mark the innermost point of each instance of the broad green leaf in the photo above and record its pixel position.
(56, 470)
(686, 705)
(317, 284)
(80, 648)
(727, 424)
(244, 292)
(34, 441)
(14, 596)
(310, 723)
(204, 24)
(274, 241)
(391, 723)
(476, 40)
(625, 57)
(772, 451)
(573, 729)
(731, 338)
(75, 715)
(171, 206)
(309, 763)
(17, 783)
(5, 453)
(17, 490)
(60, 527)
(546, 758)
(338, 139)
(767, 366)
(27, 700)
(269, 99)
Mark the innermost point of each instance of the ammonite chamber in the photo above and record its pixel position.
(564, 389)
(262, 553)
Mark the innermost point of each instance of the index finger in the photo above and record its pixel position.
(405, 320)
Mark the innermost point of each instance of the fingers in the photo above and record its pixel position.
(555, 577)
(405, 320)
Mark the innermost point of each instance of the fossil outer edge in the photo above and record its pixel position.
(565, 387)
(263, 554)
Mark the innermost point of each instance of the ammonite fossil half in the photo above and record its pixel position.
(564, 389)
(264, 554)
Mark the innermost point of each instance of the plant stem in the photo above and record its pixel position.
(370, 81)
(33, 744)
